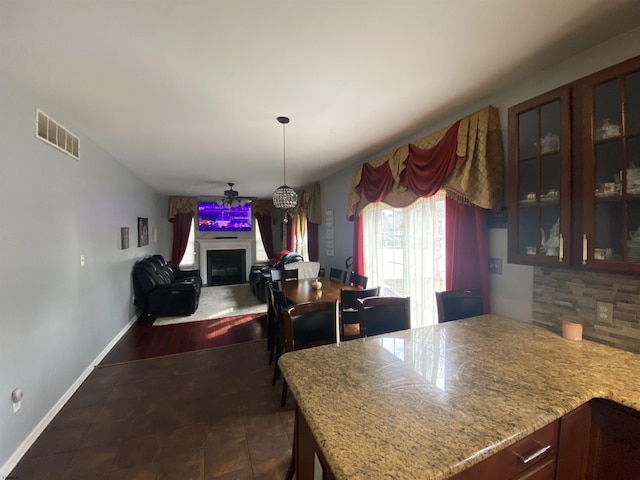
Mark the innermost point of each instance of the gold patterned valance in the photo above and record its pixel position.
(309, 202)
(182, 205)
(477, 176)
(264, 207)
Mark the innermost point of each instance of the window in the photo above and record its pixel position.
(189, 257)
(404, 253)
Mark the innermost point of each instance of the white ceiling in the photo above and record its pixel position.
(186, 93)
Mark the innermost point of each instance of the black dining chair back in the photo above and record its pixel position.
(337, 275)
(349, 309)
(277, 303)
(356, 280)
(278, 275)
(378, 315)
(307, 325)
(310, 324)
(458, 304)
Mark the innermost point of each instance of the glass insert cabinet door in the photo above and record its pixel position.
(612, 169)
(539, 176)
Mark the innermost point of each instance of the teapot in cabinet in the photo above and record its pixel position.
(550, 245)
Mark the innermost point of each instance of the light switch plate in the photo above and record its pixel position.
(495, 266)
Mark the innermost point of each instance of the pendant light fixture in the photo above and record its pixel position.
(284, 197)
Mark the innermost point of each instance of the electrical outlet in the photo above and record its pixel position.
(604, 312)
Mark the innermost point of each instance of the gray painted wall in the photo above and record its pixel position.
(511, 292)
(57, 317)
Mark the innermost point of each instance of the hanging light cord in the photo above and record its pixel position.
(284, 156)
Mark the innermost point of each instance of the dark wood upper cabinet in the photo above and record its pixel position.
(609, 148)
(539, 179)
(574, 174)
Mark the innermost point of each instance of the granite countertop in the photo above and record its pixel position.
(430, 402)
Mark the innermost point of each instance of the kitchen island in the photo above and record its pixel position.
(432, 402)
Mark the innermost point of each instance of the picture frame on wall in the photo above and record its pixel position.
(124, 238)
(329, 237)
(143, 231)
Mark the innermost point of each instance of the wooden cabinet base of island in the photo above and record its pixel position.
(532, 458)
(599, 440)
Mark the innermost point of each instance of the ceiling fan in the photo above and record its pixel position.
(231, 197)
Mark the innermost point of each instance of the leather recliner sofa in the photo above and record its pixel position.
(162, 290)
(260, 274)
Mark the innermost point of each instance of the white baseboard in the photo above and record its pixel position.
(13, 460)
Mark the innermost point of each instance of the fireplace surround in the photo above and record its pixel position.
(207, 245)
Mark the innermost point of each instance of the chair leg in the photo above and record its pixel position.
(276, 369)
(283, 400)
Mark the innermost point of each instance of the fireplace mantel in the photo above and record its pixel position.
(216, 244)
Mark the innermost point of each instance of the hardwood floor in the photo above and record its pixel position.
(143, 340)
(183, 414)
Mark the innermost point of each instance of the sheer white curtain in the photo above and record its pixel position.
(404, 253)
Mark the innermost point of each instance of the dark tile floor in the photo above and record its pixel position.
(209, 414)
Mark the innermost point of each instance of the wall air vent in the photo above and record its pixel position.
(50, 131)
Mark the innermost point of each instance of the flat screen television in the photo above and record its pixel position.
(217, 217)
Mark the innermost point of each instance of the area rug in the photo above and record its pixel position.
(220, 302)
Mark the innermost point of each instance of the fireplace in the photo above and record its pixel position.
(226, 267)
(205, 245)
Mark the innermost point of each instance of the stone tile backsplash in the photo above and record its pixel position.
(563, 294)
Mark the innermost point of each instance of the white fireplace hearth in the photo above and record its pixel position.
(227, 244)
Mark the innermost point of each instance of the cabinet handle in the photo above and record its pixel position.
(584, 248)
(561, 257)
(534, 455)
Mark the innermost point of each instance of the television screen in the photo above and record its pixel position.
(216, 217)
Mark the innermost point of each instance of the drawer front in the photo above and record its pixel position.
(517, 461)
(545, 471)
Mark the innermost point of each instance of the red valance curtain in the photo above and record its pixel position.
(427, 170)
(425, 173)
(376, 182)
(467, 160)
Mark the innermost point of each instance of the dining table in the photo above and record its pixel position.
(301, 290)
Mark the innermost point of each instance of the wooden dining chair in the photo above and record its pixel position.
(305, 269)
(338, 275)
(458, 304)
(378, 315)
(356, 280)
(278, 275)
(277, 303)
(349, 323)
(274, 315)
(307, 325)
